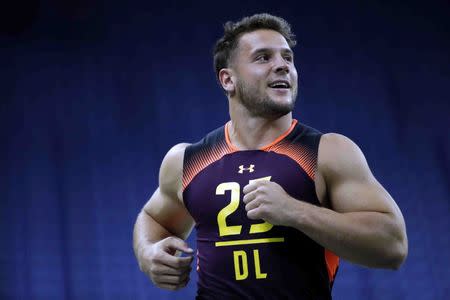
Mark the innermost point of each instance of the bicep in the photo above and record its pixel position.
(165, 206)
(360, 194)
(351, 186)
(170, 213)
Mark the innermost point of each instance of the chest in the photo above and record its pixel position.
(216, 192)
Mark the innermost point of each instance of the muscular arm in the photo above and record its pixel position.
(364, 224)
(162, 225)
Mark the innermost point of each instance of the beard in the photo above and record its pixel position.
(260, 104)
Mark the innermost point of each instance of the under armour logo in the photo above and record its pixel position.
(251, 169)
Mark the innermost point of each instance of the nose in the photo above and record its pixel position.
(281, 65)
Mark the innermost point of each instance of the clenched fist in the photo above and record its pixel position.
(163, 267)
(268, 201)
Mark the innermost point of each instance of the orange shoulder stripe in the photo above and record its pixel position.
(202, 159)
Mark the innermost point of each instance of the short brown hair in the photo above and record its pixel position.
(225, 46)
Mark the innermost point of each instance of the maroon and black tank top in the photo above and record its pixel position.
(239, 258)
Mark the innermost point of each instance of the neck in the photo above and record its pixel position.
(248, 132)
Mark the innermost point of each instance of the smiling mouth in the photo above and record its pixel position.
(280, 85)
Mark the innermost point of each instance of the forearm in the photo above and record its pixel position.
(372, 239)
(147, 232)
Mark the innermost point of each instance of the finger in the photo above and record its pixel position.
(170, 287)
(166, 270)
(173, 286)
(249, 197)
(251, 187)
(252, 205)
(171, 279)
(175, 243)
(176, 262)
(254, 214)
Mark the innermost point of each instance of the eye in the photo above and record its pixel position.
(262, 58)
(289, 58)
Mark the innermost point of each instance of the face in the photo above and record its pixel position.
(264, 74)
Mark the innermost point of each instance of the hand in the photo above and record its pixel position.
(163, 267)
(268, 201)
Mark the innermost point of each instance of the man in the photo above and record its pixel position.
(274, 202)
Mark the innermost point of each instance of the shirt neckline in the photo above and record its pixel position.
(277, 140)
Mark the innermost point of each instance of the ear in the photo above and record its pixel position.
(227, 80)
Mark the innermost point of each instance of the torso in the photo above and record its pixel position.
(241, 258)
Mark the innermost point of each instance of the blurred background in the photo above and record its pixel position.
(93, 94)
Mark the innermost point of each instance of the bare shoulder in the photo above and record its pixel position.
(165, 205)
(339, 157)
(171, 171)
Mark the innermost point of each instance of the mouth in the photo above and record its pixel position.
(279, 85)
